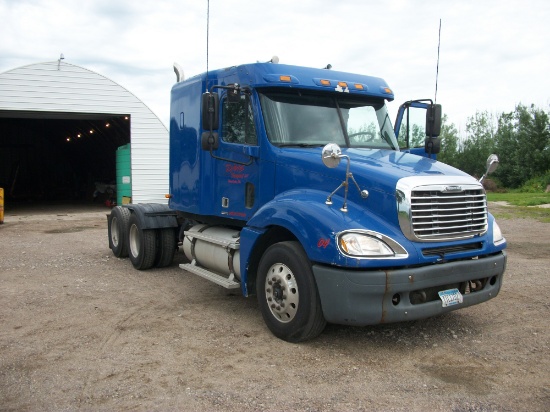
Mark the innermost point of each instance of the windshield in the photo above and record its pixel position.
(297, 119)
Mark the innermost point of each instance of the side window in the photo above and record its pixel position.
(412, 132)
(238, 122)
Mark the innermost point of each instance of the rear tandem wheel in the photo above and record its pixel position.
(117, 226)
(142, 244)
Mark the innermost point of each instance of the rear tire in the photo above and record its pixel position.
(287, 293)
(167, 244)
(117, 226)
(142, 244)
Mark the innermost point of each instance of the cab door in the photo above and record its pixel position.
(417, 127)
(237, 160)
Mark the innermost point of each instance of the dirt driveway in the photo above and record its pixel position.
(83, 330)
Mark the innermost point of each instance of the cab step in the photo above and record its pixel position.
(227, 283)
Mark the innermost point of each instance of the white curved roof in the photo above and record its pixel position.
(59, 87)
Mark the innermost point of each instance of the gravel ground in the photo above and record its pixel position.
(83, 330)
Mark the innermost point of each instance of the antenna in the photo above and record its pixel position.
(207, 32)
(437, 69)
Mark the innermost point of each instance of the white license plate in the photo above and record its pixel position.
(450, 297)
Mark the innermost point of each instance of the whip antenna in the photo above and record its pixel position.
(437, 69)
(207, 33)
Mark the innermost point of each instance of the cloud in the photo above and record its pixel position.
(493, 53)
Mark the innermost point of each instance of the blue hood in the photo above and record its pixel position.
(376, 171)
(373, 169)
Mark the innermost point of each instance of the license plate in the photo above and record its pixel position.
(450, 297)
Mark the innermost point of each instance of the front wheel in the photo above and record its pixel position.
(287, 293)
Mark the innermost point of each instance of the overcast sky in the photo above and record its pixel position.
(494, 54)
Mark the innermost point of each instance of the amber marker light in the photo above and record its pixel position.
(325, 82)
(388, 90)
(168, 196)
(284, 78)
(342, 84)
(359, 86)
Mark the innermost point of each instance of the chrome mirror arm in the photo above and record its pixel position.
(345, 184)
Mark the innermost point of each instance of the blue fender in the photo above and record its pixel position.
(315, 224)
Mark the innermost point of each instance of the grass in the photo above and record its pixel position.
(520, 199)
(522, 206)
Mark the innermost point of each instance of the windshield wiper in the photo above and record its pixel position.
(300, 145)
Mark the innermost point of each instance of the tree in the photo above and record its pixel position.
(478, 145)
(523, 145)
(449, 142)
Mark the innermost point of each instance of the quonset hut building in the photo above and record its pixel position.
(60, 128)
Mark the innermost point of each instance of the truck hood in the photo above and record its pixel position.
(373, 169)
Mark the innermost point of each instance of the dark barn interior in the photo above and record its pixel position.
(59, 157)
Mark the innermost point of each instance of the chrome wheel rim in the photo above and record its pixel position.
(281, 292)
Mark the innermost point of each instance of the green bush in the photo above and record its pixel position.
(537, 184)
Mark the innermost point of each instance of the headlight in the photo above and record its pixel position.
(369, 245)
(497, 234)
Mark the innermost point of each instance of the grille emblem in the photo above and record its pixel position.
(453, 189)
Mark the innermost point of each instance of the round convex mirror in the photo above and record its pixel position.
(331, 155)
(492, 163)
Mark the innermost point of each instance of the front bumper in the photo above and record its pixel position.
(368, 297)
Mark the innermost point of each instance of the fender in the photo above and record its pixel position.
(304, 213)
(153, 215)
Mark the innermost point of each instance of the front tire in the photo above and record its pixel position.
(287, 293)
(142, 244)
(117, 226)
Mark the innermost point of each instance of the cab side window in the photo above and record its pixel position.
(413, 128)
(238, 122)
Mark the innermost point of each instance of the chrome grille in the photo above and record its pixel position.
(439, 214)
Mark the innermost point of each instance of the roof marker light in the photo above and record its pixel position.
(342, 84)
(388, 90)
(325, 82)
(359, 86)
(284, 78)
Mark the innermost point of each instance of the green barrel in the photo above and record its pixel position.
(123, 175)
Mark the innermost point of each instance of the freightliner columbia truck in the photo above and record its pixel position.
(291, 184)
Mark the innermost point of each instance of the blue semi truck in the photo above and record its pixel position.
(291, 184)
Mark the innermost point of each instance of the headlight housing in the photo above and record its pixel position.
(498, 238)
(368, 244)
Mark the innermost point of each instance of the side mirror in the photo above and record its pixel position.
(492, 164)
(433, 120)
(432, 145)
(331, 155)
(209, 141)
(210, 111)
